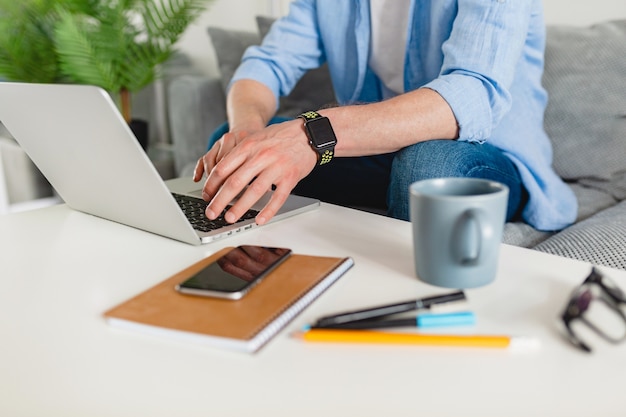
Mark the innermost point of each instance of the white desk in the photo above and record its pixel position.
(61, 269)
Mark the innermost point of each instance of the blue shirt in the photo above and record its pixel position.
(484, 57)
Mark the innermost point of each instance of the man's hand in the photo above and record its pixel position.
(220, 149)
(250, 165)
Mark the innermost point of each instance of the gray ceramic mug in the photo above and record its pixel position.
(457, 230)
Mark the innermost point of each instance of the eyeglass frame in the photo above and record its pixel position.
(611, 295)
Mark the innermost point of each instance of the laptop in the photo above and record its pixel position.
(80, 142)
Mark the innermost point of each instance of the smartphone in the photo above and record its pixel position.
(235, 273)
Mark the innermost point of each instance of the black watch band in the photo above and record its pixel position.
(321, 135)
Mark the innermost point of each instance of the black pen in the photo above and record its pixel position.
(385, 310)
(461, 318)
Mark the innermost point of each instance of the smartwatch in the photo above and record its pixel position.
(321, 135)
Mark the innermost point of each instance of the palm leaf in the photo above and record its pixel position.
(26, 48)
(119, 45)
(140, 66)
(123, 42)
(79, 55)
(168, 19)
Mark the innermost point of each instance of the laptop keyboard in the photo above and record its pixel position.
(194, 210)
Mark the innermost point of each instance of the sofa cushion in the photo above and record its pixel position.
(229, 46)
(598, 239)
(615, 186)
(523, 235)
(585, 70)
(312, 92)
(590, 201)
(196, 107)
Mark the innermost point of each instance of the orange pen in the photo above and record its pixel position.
(379, 337)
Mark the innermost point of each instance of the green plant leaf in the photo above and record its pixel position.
(26, 49)
(79, 55)
(118, 45)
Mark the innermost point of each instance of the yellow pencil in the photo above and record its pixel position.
(378, 337)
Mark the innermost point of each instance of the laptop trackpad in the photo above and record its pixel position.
(185, 186)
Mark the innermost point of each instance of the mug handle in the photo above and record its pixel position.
(471, 229)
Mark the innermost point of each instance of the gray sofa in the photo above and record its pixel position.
(585, 77)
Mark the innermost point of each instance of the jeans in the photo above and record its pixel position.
(382, 182)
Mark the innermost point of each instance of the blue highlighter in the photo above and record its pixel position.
(426, 320)
(460, 318)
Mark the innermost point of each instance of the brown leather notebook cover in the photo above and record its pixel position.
(245, 324)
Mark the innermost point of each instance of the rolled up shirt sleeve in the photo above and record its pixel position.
(480, 56)
(290, 49)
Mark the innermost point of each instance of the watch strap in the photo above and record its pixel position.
(324, 155)
(310, 115)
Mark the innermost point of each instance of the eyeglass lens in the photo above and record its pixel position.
(608, 285)
(600, 314)
(593, 310)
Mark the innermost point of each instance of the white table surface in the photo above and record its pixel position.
(60, 270)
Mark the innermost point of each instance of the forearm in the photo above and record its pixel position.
(249, 105)
(392, 124)
(367, 129)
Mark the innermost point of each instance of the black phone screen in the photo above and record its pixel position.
(236, 271)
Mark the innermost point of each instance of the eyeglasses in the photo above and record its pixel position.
(595, 305)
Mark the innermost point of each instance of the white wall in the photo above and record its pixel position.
(239, 14)
(233, 14)
(583, 12)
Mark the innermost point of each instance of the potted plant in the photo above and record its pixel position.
(119, 45)
(27, 52)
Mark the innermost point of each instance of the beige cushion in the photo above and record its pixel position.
(585, 75)
(312, 92)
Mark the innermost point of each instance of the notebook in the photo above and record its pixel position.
(81, 143)
(243, 325)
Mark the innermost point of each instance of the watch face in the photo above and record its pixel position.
(321, 133)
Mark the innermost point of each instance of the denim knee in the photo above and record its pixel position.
(449, 158)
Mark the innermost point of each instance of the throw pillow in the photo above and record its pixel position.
(598, 240)
(229, 46)
(312, 92)
(585, 76)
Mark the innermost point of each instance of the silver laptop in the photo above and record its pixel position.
(80, 142)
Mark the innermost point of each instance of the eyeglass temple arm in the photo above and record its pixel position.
(573, 338)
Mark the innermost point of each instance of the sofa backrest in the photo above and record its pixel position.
(585, 76)
(312, 92)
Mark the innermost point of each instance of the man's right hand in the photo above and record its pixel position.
(220, 149)
(247, 166)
